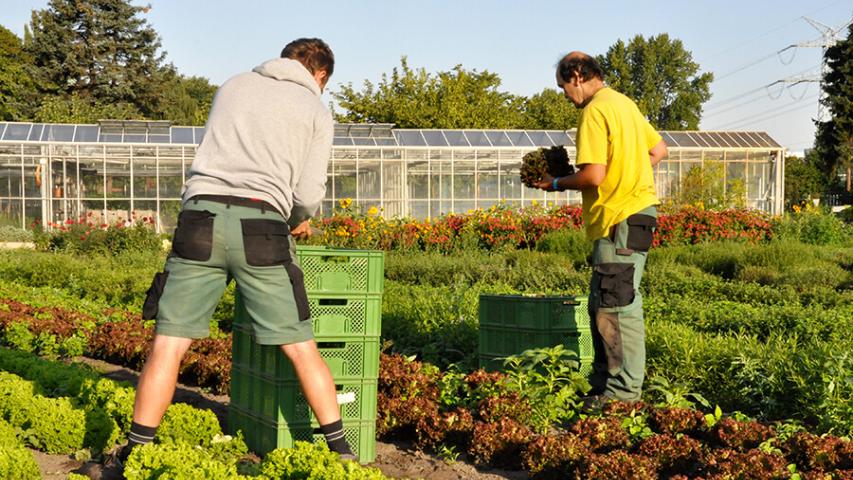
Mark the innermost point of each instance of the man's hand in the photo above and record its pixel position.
(545, 183)
(303, 230)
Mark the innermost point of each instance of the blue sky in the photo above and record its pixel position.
(521, 41)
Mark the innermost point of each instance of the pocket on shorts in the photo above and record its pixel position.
(616, 285)
(152, 297)
(265, 242)
(297, 280)
(193, 239)
(641, 232)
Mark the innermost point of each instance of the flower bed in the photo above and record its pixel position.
(505, 227)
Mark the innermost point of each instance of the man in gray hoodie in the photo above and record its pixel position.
(258, 176)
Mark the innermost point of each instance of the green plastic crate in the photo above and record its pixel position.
(544, 313)
(348, 359)
(282, 402)
(263, 436)
(357, 316)
(338, 270)
(510, 341)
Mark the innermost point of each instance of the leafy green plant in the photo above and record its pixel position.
(313, 461)
(175, 460)
(549, 379)
(187, 424)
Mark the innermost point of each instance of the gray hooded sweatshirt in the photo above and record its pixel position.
(268, 137)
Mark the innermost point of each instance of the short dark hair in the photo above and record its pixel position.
(584, 65)
(314, 53)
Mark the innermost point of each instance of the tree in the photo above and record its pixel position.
(661, 77)
(413, 98)
(834, 140)
(803, 179)
(100, 50)
(188, 100)
(550, 110)
(74, 109)
(18, 93)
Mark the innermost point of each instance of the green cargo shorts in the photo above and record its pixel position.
(215, 242)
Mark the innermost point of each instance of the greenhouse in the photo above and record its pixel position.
(119, 170)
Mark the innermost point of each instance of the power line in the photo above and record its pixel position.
(775, 114)
(763, 88)
(774, 30)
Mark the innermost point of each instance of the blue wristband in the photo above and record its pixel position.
(554, 183)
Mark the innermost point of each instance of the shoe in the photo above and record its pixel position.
(593, 403)
(349, 457)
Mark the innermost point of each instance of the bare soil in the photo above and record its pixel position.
(396, 459)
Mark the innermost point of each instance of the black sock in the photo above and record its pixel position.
(139, 435)
(334, 433)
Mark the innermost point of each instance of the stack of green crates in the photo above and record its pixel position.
(345, 297)
(511, 324)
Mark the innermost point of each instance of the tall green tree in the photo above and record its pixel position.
(18, 92)
(659, 74)
(834, 140)
(101, 50)
(188, 100)
(413, 98)
(549, 110)
(803, 179)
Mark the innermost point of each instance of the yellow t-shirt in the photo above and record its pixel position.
(613, 132)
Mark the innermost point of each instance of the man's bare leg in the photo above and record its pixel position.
(318, 386)
(155, 389)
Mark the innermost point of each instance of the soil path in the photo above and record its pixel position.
(394, 459)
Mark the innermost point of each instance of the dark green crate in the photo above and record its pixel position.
(333, 315)
(542, 313)
(496, 341)
(348, 359)
(339, 270)
(264, 436)
(282, 401)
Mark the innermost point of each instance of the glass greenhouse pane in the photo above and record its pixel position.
(487, 180)
(17, 131)
(198, 132)
(2, 129)
(182, 135)
(434, 138)
(670, 141)
(768, 142)
(456, 138)
(540, 139)
(386, 141)
(59, 133)
(477, 138)
(699, 139)
(109, 137)
(343, 179)
(133, 138)
(519, 138)
(35, 133)
(410, 138)
(86, 133)
(463, 181)
(560, 138)
(369, 178)
(364, 141)
(342, 141)
(499, 139)
(159, 138)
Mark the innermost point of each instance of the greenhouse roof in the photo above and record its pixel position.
(351, 134)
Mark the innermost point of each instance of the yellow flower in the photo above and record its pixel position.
(345, 203)
(372, 211)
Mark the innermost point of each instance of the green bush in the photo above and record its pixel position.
(813, 226)
(313, 462)
(52, 425)
(176, 461)
(83, 237)
(17, 462)
(187, 424)
(9, 233)
(568, 242)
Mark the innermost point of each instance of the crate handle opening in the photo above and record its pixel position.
(573, 303)
(331, 345)
(332, 301)
(336, 258)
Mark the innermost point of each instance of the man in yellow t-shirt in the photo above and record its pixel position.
(616, 150)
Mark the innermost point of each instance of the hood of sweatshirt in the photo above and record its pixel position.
(288, 70)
